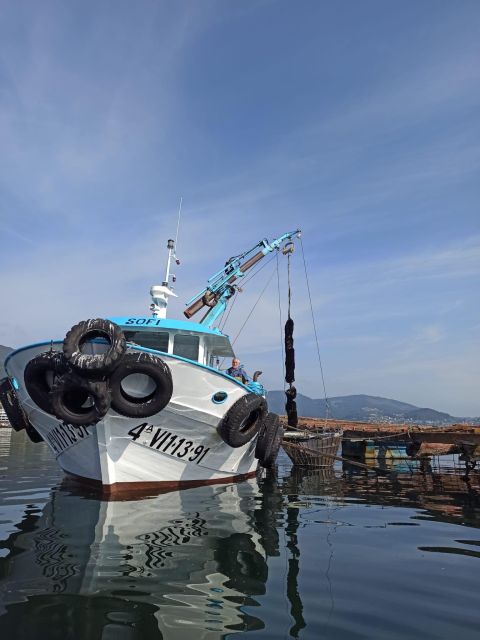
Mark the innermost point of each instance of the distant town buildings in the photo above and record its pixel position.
(3, 418)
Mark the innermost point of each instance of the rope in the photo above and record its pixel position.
(398, 434)
(281, 324)
(253, 308)
(236, 296)
(252, 275)
(328, 411)
(225, 318)
(289, 287)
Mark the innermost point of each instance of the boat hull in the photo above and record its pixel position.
(178, 447)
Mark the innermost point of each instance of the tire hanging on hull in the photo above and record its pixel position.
(65, 405)
(141, 406)
(15, 414)
(41, 374)
(269, 440)
(98, 364)
(8, 397)
(243, 420)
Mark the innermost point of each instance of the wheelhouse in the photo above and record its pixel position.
(188, 340)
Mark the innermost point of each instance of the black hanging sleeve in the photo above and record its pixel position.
(289, 352)
(291, 407)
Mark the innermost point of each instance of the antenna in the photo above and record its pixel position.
(177, 261)
(161, 293)
(178, 222)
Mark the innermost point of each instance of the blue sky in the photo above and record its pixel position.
(356, 121)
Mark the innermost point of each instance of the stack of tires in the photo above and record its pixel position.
(79, 388)
(248, 418)
(269, 440)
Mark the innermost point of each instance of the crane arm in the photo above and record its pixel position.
(220, 286)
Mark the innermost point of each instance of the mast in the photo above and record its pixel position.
(171, 249)
(161, 293)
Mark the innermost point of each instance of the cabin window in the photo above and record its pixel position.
(186, 346)
(157, 340)
(214, 362)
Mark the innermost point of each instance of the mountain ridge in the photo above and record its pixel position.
(363, 408)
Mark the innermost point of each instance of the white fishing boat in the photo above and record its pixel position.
(134, 402)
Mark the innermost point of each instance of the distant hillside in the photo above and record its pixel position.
(363, 408)
(427, 415)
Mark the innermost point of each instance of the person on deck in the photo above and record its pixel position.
(237, 371)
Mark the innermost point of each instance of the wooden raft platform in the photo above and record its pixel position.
(456, 434)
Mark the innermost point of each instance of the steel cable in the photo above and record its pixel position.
(327, 404)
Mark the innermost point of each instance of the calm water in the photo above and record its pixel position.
(303, 555)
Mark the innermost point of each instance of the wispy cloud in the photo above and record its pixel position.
(431, 333)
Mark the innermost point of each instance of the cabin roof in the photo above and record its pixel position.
(145, 322)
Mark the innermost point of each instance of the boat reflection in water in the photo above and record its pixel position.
(177, 565)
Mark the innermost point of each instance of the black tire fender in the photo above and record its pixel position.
(100, 364)
(11, 404)
(40, 375)
(243, 420)
(269, 440)
(15, 414)
(32, 433)
(149, 365)
(65, 400)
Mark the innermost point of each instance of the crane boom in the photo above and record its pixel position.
(220, 286)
